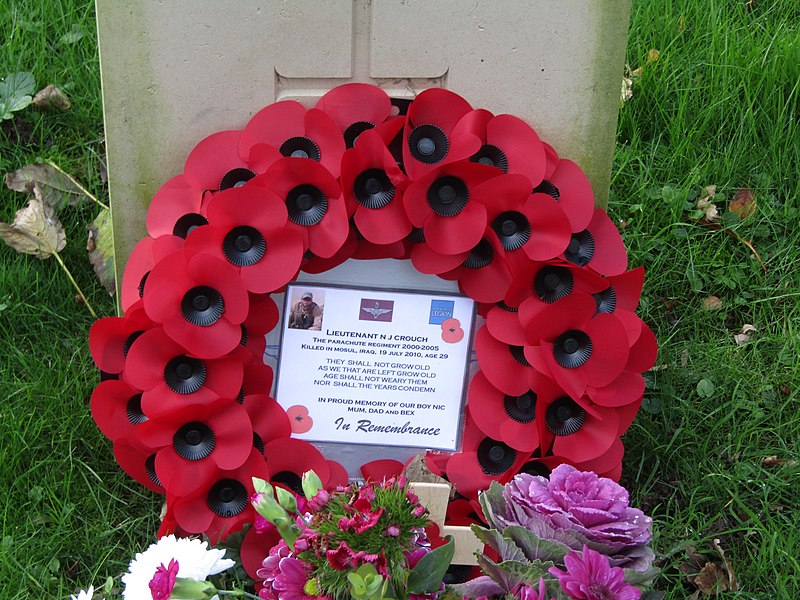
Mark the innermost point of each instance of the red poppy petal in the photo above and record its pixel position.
(437, 106)
(180, 476)
(573, 381)
(134, 462)
(504, 326)
(295, 456)
(107, 339)
(607, 461)
(487, 284)
(268, 418)
(353, 102)
(575, 193)
(327, 237)
(521, 145)
(193, 514)
(628, 387)
(610, 257)
(212, 158)
(461, 233)
(174, 199)
(631, 323)
(572, 312)
(338, 476)
(474, 122)
(499, 366)
(324, 131)
(255, 547)
(644, 352)
(384, 225)
(273, 125)
(318, 264)
(426, 260)
(626, 415)
(628, 288)
(502, 193)
(231, 426)
(590, 442)
(380, 470)
(250, 205)
(109, 403)
(550, 229)
(279, 266)
(609, 350)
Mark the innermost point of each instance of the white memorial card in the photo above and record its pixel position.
(378, 367)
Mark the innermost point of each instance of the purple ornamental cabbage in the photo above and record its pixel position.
(576, 502)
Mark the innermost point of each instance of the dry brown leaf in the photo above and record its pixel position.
(51, 97)
(743, 203)
(58, 189)
(36, 229)
(100, 247)
(744, 337)
(627, 90)
(711, 580)
(775, 461)
(726, 564)
(712, 303)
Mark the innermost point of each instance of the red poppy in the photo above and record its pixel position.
(605, 462)
(338, 476)
(599, 246)
(568, 184)
(543, 465)
(372, 185)
(196, 442)
(509, 144)
(200, 300)
(623, 292)
(141, 260)
(254, 549)
(366, 250)
(577, 431)
(503, 365)
(269, 420)
(504, 417)
(296, 132)
(427, 260)
(316, 264)
(628, 387)
(481, 461)
(258, 377)
(261, 319)
(575, 345)
(483, 275)
(117, 410)
(313, 200)
(138, 462)
(626, 414)
(437, 461)
(428, 136)
(171, 202)
(220, 506)
(449, 204)
(111, 338)
(173, 379)
(288, 458)
(256, 242)
(502, 322)
(355, 108)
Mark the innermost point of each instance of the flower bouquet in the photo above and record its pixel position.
(362, 542)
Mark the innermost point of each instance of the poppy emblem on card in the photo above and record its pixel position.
(376, 310)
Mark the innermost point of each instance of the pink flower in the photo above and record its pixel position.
(392, 531)
(290, 582)
(343, 557)
(526, 592)
(589, 576)
(164, 580)
(319, 500)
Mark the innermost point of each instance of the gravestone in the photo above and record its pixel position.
(175, 72)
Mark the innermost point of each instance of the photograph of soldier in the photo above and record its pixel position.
(306, 313)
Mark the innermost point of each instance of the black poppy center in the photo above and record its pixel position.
(258, 443)
(188, 223)
(245, 335)
(513, 229)
(564, 416)
(290, 479)
(185, 375)
(150, 469)
(480, 256)
(354, 130)
(553, 283)
(448, 196)
(307, 204)
(491, 156)
(580, 249)
(535, 467)
(606, 301)
(417, 235)
(503, 306)
(428, 144)
(202, 306)
(572, 349)
(521, 409)
(547, 187)
(495, 457)
(227, 498)
(126, 346)
(235, 178)
(194, 441)
(133, 409)
(142, 281)
(244, 246)
(518, 354)
(300, 147)
(373, 189)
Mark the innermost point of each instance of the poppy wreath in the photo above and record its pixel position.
(464, 194)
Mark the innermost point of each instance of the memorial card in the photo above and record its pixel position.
(374, 366)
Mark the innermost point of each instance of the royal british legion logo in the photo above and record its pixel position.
(376, 310)
(441, 310)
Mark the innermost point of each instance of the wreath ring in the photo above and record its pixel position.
(465, 195)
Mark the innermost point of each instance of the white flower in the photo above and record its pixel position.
(84, 595)
(195, 561)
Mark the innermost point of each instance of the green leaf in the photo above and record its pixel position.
(534, 547)
(705, 388)
(358, 588)
(507, 549)
(17, 84)
(312, 484)
(426, 576)
(492, 503)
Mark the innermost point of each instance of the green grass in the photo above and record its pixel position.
(720, 106)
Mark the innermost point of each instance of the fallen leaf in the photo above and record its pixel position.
(712, 303)
(627, 89)
(51, 97)
(58, 188)
(775, 461)
(652, 56)
(711, 580)
(684, 359)
(743, 203)
(36, 230)
(744, 337)
(100, 247)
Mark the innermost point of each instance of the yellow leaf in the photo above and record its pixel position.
(36, 229)
(743, 203)
(652, 56)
